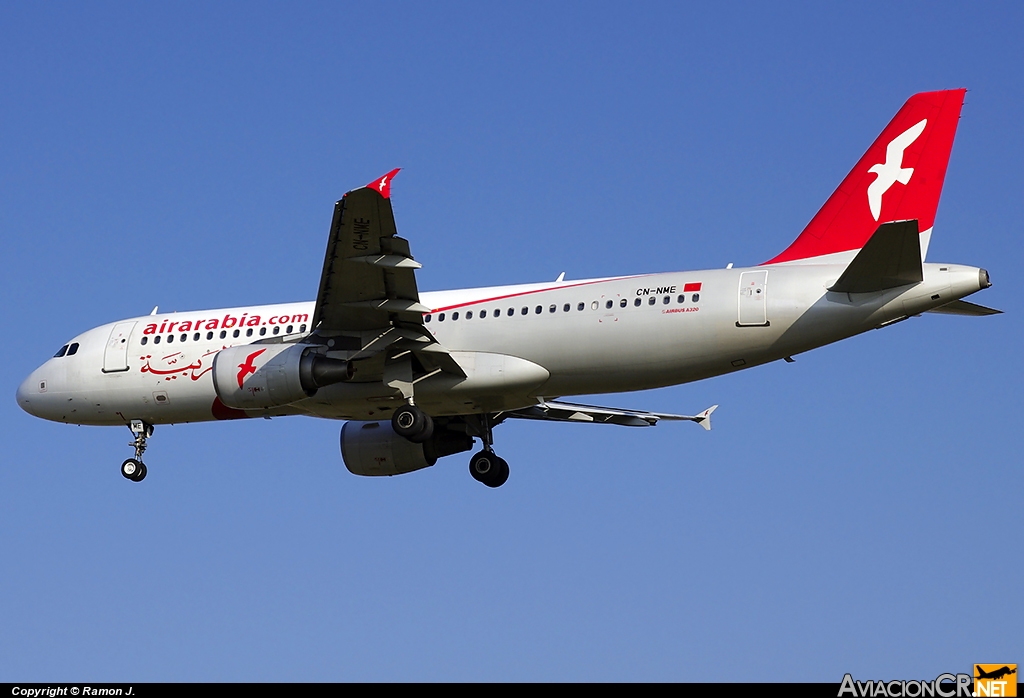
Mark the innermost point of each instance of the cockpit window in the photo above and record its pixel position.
(61, 352)
(73, 349)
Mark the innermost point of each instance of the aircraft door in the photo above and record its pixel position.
(115, 356)
(753, 299)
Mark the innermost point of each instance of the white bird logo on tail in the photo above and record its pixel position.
(892, 170)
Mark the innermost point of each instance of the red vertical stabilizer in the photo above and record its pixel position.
(899, 178)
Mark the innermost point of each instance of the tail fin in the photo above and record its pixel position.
(899, 178)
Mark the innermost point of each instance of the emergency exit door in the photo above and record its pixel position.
(115, 356)
(753, 300)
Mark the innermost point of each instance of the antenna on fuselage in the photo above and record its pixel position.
(155, 308)
(560, 277)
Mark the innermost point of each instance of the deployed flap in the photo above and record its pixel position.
(569, 412)
(368, 277)
(965, 308)
(891, 258)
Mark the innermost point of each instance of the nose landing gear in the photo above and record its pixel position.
(133, 468)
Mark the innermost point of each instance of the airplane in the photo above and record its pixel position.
(418, 377)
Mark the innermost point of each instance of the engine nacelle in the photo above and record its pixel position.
(257, 376)
(373, 448)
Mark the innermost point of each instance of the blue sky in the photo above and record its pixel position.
(851, 512)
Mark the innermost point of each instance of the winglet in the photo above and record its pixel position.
(704, 418)
(383, 184)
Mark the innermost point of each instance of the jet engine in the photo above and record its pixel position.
(373, 448)
(256, 376)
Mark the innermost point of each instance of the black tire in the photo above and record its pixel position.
(412, 423)
(131, 468)
(489, 469)
(142, 473)
(500, 475)
(482, 466)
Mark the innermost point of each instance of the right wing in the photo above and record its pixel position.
(570, 412)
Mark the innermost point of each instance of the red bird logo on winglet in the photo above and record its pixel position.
(248, 367)
(383, 184)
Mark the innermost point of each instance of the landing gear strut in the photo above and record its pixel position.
(133, 468)
(486, 466)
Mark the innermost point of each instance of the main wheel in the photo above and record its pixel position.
(489, 469)
(141, 475)
(412, 423)
(133, 469)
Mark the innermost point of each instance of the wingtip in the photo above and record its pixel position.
(705, 417)
(383, 184)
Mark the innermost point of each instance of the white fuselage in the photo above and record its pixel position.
(515, 343)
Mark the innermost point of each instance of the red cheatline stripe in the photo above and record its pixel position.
(691, 287)
(539, 290)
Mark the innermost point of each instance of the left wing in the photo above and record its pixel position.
(368, 302)
(569, 412)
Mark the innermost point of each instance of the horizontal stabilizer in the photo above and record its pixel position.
(569, 412)
(890, 258)
(965, 308)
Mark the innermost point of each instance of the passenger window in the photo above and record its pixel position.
(455, 316)
(289, 330)
(538, 310)
(61, 352)
(195, 337)
(209, 336)
(637, 302)
(565, 308)
(426, 318)
(469, 314)
(665, 300)
(73, 349)
(483, 313)
(302, 327)
(235, 333)
(156, 340)
(440, 318)
(652, 300)
(580, 306)
(593, 306)
(609, 304)
(248, 332)
(552, 309)
(145, 341)
(681, 299)
(278, 329)
(223, 334)
(170, 337)
(526, 310)
(696, 297)
(183, 337)
(511, 312)
(263, 331)
(622, 303)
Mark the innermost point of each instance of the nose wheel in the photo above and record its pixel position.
(133, 468)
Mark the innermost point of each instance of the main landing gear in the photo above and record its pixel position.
(412, 423)
(486, 466)
(133, 468)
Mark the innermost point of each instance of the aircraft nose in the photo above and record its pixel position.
(29, 392)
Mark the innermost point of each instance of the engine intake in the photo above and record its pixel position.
(373, 448)
(258, 376)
